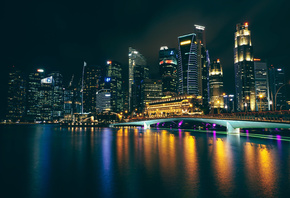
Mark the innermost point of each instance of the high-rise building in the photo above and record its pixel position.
(58, 91)
(193, 65)
(33, 95)
(261, 85)
(244, 69)
(16, 95)
(229, 103)
(277, 87)
(187, 65)
(202, 64)
(103, 100)
(216, 85)
(92, 76)
(46, 100)
(168, 69)
(152, 90)
(114, 79)
(138, 71)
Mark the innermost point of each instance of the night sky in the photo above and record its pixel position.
(60, 35)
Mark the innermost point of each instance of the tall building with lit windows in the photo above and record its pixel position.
(111, 82)
(138, 71)
(261, 85)
(33, 104)
(92, 75)
(216, 85)
(277, 87)
(193, 65)
(168, 70)
(202, 64)
(244, 69)
(16, 95)
(187, 65)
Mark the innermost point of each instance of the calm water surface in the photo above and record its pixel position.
(48, 161)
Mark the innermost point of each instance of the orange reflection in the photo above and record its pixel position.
(266, 169)
(190, 155)
(223, 166)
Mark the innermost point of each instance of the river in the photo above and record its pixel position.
(50, 161)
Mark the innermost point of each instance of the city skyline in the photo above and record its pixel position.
(43, 56)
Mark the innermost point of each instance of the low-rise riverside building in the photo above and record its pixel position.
(174, 106)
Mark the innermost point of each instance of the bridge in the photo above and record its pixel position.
(233, 126)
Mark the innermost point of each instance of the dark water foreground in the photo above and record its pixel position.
(48, 161)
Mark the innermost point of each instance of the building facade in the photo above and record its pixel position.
(261, 85)
(16, 101)
(33, 95)
(216, 85)
(152, 90)
(173, 106)
(138, 71)
(277, 87)
(92, 76)
(187, 65)
(114, 79)
(168, 69)
(244, 69)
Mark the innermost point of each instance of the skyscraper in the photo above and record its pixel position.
(168, 70)
(244, 69)
(138, 71)
(58, 92)
(92, 76)
(277, 87)
(187, 65)
(261, 85)
(152, 90)
(193, 65)
(216, 85)
(46, 100)
(33, 95)
(202, 64)
(114, 78)
(16, 95)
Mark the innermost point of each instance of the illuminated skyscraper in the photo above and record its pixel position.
(16, 95)
(138, 71)
(114, 78)
(216, 85)
(187, 65)
(277, 87)
(202, 64)
(244, 69)
(152, 90)
(193, 64)
(33, 95)
(261, 85)
(58, 92)
(46, 101)
(168, 70)
(92, 76)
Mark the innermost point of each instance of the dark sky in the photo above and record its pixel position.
(60, 35)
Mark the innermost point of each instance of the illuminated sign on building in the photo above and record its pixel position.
(185, 42)
(199, 27)
(40, 70)
(109, 62)
(279, 69)
(47, 80)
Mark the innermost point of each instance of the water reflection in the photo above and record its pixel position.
(133, 162)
